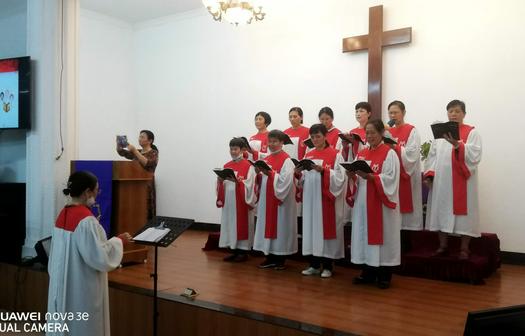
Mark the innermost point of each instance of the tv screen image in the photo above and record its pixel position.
(15, 84)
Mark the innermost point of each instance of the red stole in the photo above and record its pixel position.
(401, 135)
(328, 155)
(71, 216)
(263, 138)
(332, 136)
(460, 173)
(375, 195)
(355, 145)
(275, 161)
(242, 209)
(302, 133)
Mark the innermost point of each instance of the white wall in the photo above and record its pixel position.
(198, 83)
(106, 84)
(13, 19)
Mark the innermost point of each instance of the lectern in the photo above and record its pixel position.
(123, 200)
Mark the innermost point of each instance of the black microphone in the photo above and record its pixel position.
(391, 122)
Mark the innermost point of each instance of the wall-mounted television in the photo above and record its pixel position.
(15, 93)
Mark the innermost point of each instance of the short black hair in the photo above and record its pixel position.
(266, 116)
(397, 103)
(364, 105)
(238, 142)
(378, 125)
(79, 182)
(298, 110)
(457, 102)
(318, 128)
(277, 134)
(326, 110)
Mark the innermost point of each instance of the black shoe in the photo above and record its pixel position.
(231, 257)
(383, 284)
(267, 264)
(359, 280)
(279, 267)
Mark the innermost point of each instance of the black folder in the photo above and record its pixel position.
(224, 173)
(440, 129)
(357, 165)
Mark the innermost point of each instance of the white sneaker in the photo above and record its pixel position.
(326, 274)
(311, 271)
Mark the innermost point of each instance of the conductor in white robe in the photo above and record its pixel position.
(79, 260)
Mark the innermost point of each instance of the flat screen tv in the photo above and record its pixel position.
(15, 93)
(508, 321)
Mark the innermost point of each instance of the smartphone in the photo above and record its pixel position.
(122, 141)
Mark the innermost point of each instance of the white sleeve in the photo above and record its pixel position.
(249, 188)
(473, 150)
(337, 177)
(430, 162)
(283, 182)
(98, 252)
(390, 176)
(411, 152)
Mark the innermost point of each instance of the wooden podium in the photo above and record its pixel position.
(129, 206)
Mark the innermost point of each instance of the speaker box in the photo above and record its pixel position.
(12, 221)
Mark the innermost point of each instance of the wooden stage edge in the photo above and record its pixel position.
(240, 299)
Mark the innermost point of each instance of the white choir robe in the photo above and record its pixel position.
(313, 242)
(389, 253)
(296, 150)
(228, 237)
(258, 143)
(349, 153)
(411, 160)
(286, 241)
(440, 215)
(78, 282)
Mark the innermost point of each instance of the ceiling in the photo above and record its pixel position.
(140, 10)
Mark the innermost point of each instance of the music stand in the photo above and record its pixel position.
(177, 226)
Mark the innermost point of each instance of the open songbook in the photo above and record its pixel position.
(287, 140)
(261, 165)
(357, 165)
(152, 234)
(389, 140)
(355, 136)
(308, 143)
(304, 164)
(224, 173)
(439, 129)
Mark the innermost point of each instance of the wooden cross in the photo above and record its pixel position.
(374, 42)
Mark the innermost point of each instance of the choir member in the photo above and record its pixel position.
(451, 173)
(259, 142)
(237, 199)
(408, 150)
(276, 228)
(323, 199)
(326, 117)
(376, 220)
(297, 133)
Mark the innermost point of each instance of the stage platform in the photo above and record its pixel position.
(412, 306)
(240, 299)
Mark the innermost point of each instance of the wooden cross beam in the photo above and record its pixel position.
(374, 42)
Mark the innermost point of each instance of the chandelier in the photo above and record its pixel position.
(237, 12)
